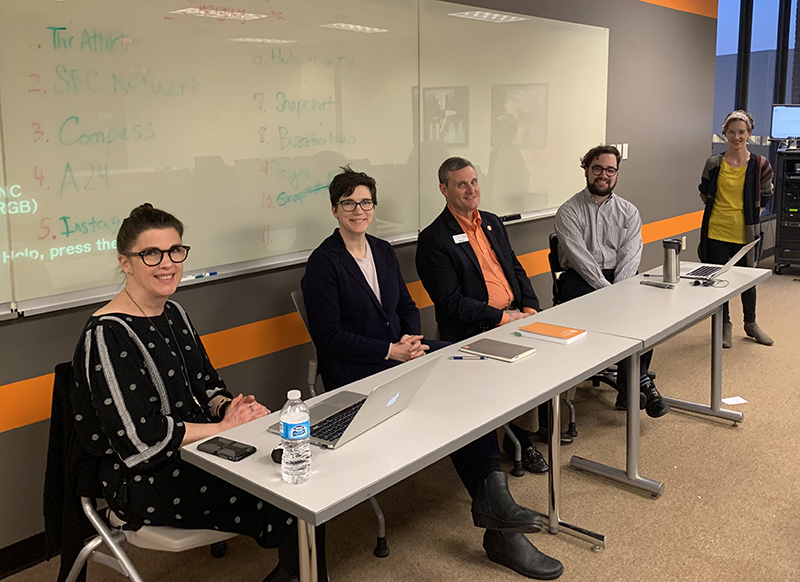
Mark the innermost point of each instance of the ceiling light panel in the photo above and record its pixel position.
(489, 17)
(353, 27)
(220, 13)
(263, 40)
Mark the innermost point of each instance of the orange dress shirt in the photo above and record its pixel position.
(500, 292)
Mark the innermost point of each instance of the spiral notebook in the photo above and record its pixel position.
(498, 350)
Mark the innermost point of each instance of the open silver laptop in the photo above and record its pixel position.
(346, 415)
(710, 272)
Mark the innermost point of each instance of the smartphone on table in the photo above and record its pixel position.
(226, 448)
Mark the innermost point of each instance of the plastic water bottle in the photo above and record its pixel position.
(295, 433)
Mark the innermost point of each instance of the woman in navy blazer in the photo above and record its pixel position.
(360, 315)
(362, 320)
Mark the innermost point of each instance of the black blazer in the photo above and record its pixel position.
(453, 278)
(350, 329)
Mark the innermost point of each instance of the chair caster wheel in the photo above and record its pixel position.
(219, 549)
(381, 549)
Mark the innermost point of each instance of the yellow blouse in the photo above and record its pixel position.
(726, 222)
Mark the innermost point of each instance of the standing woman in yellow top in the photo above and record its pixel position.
(735, 187)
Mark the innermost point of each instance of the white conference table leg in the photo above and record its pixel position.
(631, 475)
(306, 539)
(554, 523)
(715, 409)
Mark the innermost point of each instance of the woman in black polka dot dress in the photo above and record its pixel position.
(144, 387)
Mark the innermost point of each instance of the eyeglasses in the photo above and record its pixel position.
(610, 171)
(350, 205)
(153, 257)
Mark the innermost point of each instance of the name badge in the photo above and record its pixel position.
(460, 238)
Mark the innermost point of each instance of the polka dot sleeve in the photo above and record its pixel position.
(129, 395)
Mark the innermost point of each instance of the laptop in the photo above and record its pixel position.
(711, 272)
(346, 415)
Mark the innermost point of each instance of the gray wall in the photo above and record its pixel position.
(660, 101)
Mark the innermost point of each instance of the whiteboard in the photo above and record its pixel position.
(235, 118)
(6, 195)
(533, 94)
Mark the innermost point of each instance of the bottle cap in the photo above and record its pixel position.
(293, 395)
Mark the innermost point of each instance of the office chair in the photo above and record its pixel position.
(65, 456)
(381, 548)
(607, 376)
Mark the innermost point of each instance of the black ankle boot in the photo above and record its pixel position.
(655, 407)
(515, 551)
(494, 508)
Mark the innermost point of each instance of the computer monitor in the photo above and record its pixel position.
(785, 122)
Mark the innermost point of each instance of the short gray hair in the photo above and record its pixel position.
(452, 165)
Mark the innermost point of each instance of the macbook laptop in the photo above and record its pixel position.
(346, 415)
(710, 272)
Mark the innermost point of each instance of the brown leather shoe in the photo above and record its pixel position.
(533, 461)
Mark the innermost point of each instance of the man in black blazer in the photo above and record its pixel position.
(363, 320)
(467, 266)
(451, 271)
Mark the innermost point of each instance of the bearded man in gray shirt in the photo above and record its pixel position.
(600, 243)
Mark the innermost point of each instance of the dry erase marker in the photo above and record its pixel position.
(200, 276)
(468, 358)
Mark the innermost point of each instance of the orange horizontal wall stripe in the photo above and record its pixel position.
(701, 7)
(246, 342)
(671, 226)
(28, 401)
(535, 263)
(419, 295)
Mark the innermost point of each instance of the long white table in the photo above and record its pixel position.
(461, 401)
(651, 315)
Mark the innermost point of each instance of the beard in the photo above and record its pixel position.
(594, 189)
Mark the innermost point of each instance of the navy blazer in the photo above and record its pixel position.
(350, 328)
(452, 276)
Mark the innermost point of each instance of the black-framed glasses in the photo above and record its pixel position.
(350, 205)
(610, 171)
(153, 257)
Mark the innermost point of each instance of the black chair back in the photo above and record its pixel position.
(71, 474)
(555, 267)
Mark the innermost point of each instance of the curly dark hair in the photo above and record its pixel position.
(598, 151)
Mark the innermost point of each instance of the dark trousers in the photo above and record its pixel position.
(571, 286)
(289, 553)
(718, 253)
(473, 462)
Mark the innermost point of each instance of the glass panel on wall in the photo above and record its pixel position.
(762, 69)
(725, 77)
(763, 51)
(792, 95)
